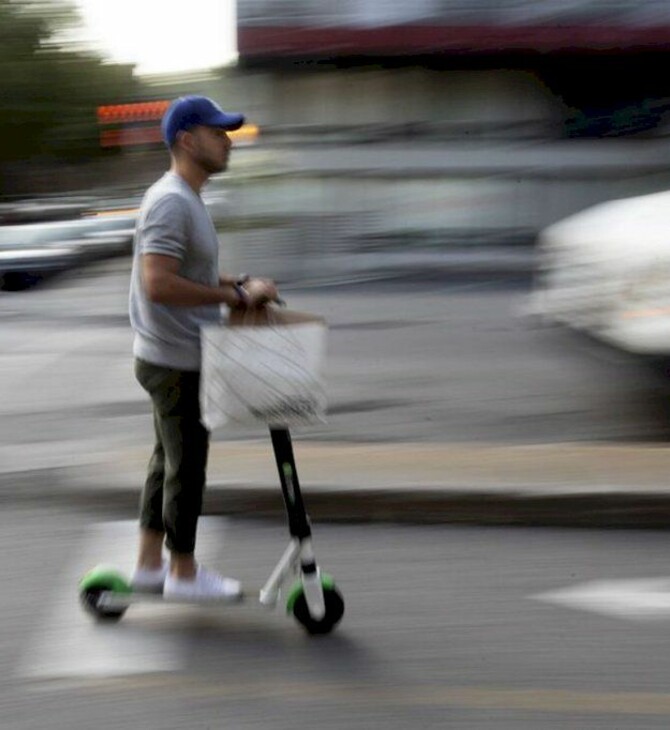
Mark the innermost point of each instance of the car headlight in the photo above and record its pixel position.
(647, 294)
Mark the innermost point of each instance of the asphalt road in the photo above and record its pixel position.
(435, 361)
(443, 628)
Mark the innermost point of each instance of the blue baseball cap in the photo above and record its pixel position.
(191, 111)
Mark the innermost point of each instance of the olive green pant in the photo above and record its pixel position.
(172, 497)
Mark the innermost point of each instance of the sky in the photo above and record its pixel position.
(161, 36)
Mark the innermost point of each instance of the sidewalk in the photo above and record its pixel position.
(620, 485)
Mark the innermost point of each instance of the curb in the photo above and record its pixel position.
(410, 505)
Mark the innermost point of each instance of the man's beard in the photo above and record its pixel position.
(211, 166)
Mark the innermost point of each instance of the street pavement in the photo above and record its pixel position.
(446, 407)
(444, 626)
(75, 425)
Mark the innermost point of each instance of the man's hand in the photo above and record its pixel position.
(260, 292)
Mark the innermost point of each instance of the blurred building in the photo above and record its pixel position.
(443, 122)
(603, 59)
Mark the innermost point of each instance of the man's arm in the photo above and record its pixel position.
(227, 280)
(163, 285)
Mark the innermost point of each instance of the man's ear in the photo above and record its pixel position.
(184, 140)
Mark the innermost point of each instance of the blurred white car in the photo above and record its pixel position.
(606, 271)
(31, 251)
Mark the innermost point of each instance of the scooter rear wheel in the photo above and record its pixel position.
(90, 602)
(93, 584)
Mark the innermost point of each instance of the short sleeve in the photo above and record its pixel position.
(165, 226)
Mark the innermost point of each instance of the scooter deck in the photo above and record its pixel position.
(113, 600)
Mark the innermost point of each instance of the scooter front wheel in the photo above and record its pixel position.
(334, 603)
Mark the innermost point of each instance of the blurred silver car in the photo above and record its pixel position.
(606, 271)
(31, 251)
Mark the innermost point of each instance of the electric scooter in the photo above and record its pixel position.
(314, 600)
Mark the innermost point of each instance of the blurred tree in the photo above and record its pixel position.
(49, 86)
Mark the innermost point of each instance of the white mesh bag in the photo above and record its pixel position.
(263, 375)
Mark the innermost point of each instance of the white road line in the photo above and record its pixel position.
(69, 644)
(636, 599)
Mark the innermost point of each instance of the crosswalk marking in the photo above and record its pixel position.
(69, 644)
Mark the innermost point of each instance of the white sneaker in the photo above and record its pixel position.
(144, 580)
(207, 585)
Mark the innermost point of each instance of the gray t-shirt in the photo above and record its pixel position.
(173, 221)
